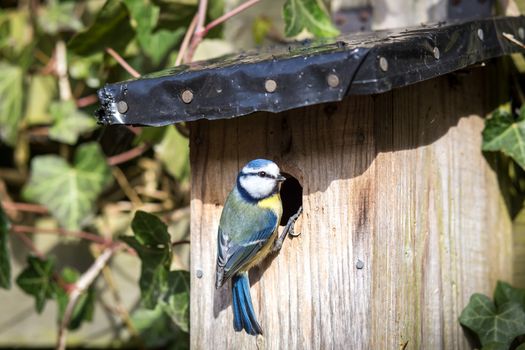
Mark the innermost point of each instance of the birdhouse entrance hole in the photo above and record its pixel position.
(291, 197)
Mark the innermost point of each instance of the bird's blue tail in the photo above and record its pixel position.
(243, 313)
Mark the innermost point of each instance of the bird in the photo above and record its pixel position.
(248, 232)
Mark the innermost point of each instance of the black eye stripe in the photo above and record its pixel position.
(260, 174)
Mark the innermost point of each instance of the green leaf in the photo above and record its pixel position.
(37, 280)
(11, 99)
(307, 14)
(504, 293)
(495, 346)
(156, 44)
(157, 330)
(58, 17)
(70, 122)
(69, 192)
(176, 302)
(174, 154)
(42, 90)
(491, 324)
(503, 133)
(110, 29)
(521, 347)
(151, 240)
(85, 306)
(5, 262)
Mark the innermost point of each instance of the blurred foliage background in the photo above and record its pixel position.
(73, 192)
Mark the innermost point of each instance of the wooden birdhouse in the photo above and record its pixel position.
(380, 135)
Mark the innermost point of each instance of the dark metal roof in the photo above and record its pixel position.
(307, 73)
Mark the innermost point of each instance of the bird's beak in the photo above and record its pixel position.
(280, 178)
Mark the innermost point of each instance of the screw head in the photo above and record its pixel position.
(383, 64)
(122, 107)
(332, 80)
(359, 264)
(436, 53)
(270, 85)
(481, 35)
(199, 273)
(187, 96)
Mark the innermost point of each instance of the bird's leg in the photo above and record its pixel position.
(288, 230)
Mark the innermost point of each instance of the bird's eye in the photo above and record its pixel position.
(262, 173)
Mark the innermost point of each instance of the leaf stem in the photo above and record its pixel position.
(78, 288)
(185, 43)
(27, 207)
(123, 63)
(87, 101)
(128, 155)
(88, 236)
(228, 15)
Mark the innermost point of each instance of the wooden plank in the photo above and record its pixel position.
(396, 181)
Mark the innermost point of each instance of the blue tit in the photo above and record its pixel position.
(247, 234)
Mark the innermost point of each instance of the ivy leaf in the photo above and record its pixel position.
(69, 192)
(174, 155)
(307, 14)
(151, 240)
(58, 17)
(69, 122)
(156, 44)
(37, 280)
(503, 133)
(42, 89)
(504, 293)
(110, 29)
(5, 262)
(491, 324)
(176, 302)
(11, 97)
(85, 306)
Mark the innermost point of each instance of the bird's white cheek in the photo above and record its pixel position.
(257, 187)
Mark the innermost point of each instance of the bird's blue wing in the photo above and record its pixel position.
(243, 231)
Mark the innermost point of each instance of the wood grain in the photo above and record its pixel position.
(396, 181)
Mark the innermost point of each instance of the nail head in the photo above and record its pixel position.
(333, 80)
(270, 85)
(199, 273)
(359, 265)
(122, 107)
(383, 64)
(187, 96)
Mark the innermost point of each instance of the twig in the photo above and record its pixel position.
(78, 288)
(64, 87)
(128, 155)
(176, 243)
(201, 16)
(126, 187)
(88, 236)
(185, 43)
(87, 101)
(30, 245)
(123, 63)
(228, 15)
(27, 207)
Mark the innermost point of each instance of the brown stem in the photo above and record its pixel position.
(58, 231)
(123, 62)
(176, 243)
(186, 41)
(228, 15)
(27, 207)
(29, 244)
(80, 286)
(87, 101)
(128, 155)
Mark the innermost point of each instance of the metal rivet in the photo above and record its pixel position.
(199, 273)
(521, 33)
(332, 80)
(187, 96)
(359, 264)
(270, 85)
(480, 34)
(436, 52)
(122, 107)
(383, 64)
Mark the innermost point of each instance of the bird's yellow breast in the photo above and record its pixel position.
(273, 203)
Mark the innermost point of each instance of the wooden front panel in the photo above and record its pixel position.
(396, 181)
